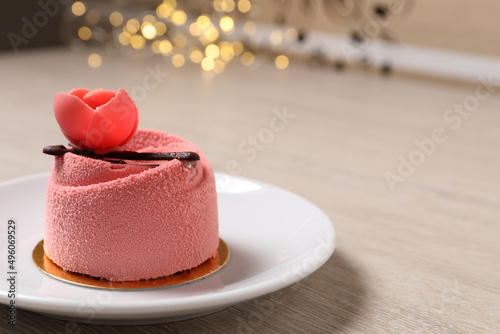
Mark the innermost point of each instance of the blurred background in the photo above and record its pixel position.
(333, 34)
(195, 62)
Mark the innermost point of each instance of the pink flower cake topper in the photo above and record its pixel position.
(101, 120)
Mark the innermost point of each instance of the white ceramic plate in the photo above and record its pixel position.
(276, 238)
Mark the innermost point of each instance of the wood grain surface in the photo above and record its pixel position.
(422, 257)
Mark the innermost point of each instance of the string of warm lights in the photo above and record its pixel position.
(211, 39)
(213, 33)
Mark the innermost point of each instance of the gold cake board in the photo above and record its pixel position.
(205, 269)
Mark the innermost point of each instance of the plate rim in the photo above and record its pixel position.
(192, 303)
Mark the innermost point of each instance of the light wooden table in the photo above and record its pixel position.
(423, 258)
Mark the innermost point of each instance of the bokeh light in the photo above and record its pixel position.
(165, 47)
(95, 60)
(226, 51)
(237, 47)
(207, 64)
(194, 29)
(212, 51)
(226, 23)
(137, 42)
(228, 5)
(178, 60)
(149, 18)
(218, 5)
(161, 28)
(164, 10)
(247, 58)
(148, 31)
(132, 26)
(203, 22)
(124, 38)
(244, 6)
(84, 33)
(78, 8)
(281, 62)
(156, 47)
(196, 56)
(211, 34)
(116, 19)
(179, 18)
(185, 34)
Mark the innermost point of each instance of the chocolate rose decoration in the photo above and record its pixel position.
(101, 120)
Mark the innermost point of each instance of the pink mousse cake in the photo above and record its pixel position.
(132, 221)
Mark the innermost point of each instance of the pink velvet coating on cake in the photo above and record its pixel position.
(126, 222)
